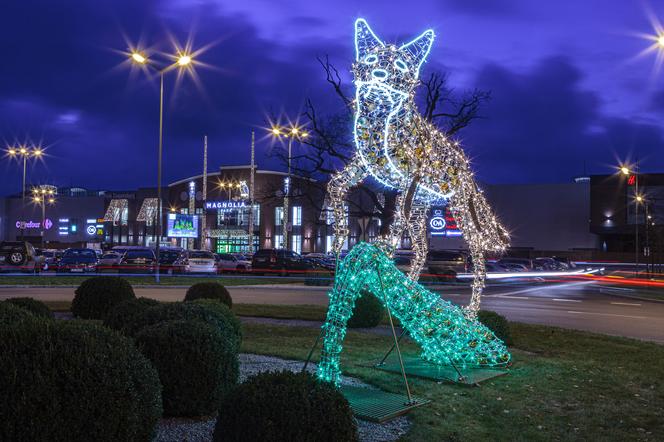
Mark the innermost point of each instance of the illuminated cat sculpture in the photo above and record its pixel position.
(401, 150)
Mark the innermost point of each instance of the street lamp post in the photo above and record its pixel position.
(182, 60)
(638, 199)
(42, 195)
(24, 153)
(291, 132)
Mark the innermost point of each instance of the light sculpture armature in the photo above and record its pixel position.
(403, 151)
(444, 333)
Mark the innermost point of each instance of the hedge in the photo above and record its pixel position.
(73, 381)
(497, 324)
(32, 305)
(123, 315)
(367, 313)
(209, 290)
(96, 296)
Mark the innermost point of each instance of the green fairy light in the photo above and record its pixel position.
(445, 334)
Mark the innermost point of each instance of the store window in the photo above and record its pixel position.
(278, 241)
(297, 216)
(296, 243)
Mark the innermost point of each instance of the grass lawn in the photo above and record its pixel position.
(52, 279)
(564, 385)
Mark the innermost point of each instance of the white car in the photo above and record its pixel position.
(198, 261)
(227, 262)
(109, 261)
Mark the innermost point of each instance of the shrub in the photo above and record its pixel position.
(209, 290)
(229, 316)
(285, 406)
(35, 307)
(96, 296)
(75, 382)
(191, 358)
(12, 314)
(121, 316)
(497, 324)
(368, 312)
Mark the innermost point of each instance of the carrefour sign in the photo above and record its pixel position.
(225, 205)
(34, 225)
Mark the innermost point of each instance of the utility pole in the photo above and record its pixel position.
(203, 217)
(251, 194)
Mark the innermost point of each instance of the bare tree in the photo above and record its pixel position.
(330, 146)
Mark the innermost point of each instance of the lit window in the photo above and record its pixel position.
(297, 216)
(278, 216)
(278, 241)
(296, 243)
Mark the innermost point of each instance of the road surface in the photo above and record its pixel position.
(577, 305)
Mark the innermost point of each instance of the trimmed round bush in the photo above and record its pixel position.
(12, 314)
(32, 305)
(497, 324)
(230, 317)
(285, 406)
(95, 297)
(121, 316)
(74, 381)
(209, 290)
(191, 358)
(367, 313)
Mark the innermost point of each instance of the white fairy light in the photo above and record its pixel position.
(400, 149)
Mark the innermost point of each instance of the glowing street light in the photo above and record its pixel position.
(24, 152)
(42, 195)
(292, 132)
(660, 41)
(182, 61)
(624, 170)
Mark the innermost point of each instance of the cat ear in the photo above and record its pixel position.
(419, 47)
(365, 39)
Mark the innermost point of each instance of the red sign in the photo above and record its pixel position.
(631, 180)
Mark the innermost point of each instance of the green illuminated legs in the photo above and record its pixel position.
(439, 327)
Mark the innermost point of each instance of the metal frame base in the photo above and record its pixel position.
(416, 366)
(377, 405)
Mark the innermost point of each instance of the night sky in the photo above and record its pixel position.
(568, 87)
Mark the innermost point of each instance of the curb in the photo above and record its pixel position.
(611, 292)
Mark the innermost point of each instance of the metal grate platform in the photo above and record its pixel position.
(416, 366)
(377, 405)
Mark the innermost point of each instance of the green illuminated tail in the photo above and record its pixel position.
(445, 334)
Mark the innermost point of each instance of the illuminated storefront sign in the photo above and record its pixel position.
(34, 225)
(442, 223)
(225, 205)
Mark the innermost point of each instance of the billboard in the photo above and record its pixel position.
(442, 223)
(182, 226)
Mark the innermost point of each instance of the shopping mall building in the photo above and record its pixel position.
(588, 215)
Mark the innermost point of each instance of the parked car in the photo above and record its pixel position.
(51, 258)
(138, 260)
(109, 261)
(229, 262)
(198, 261)
(517, 264)
(447, 264)
(565, 263)
(78, 261)
(547, 264)
(171, 261)
(17, 256)
(281, 261)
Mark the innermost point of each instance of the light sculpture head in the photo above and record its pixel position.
(387, 72)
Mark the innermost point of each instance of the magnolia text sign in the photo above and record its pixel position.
(225, 205)
(34, 225)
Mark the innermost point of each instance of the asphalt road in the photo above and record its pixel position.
(578, 305)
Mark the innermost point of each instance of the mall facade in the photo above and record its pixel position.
(588, 215)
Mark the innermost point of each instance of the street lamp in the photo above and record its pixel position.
(660, 41)
(638, 199)
(183, 60)
(42, 195)
(291, 132)
(24, 152)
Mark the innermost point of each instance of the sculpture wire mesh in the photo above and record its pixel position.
(403, 151)
(444, 333)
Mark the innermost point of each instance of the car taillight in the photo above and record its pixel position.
(273, 259)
